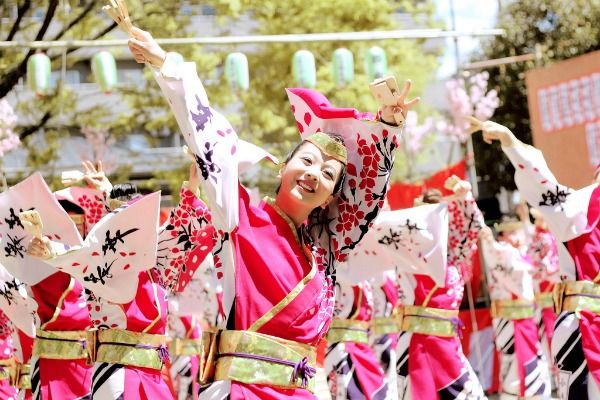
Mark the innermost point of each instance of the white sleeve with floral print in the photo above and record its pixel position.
(564, 209)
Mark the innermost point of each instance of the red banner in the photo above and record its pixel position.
(402, 194)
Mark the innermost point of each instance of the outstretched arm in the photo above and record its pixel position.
(564, 209)
(208, 134)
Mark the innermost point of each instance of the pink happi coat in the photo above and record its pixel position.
(573, 218)
(260, 255)
(183, 242)
(353, 370)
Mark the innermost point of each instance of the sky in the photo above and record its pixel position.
(469, 14)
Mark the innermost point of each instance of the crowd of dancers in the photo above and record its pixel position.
(321, 291)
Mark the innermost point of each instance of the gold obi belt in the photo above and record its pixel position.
(185, 347)
(544, 300)
(7, 369)
(60, 345)
(22, 379)
(386, 325)
(574, 296)
(431, 321)
(348, 330)
(135, 349)
(255, 358)
(513, 309)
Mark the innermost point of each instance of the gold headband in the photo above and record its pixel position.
(329, 146)
(113, 204)
(509, 226)
(77, 218)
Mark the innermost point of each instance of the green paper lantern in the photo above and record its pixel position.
(376, 63)
(104, 68)
(236, 71)
(304, 70)
(38, 73)
(343, 67)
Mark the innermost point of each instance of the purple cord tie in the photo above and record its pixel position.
(163, 352)
(83, 344)
(458, 326)
(303, 371)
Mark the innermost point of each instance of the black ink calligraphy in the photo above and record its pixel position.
(110, 243)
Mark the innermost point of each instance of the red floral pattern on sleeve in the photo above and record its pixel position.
(184, 241)
(465, 223)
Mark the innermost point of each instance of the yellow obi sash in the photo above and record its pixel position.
(431, 321)
(7, 368)
(255, 358)
(22, 379)
(575, 296)
(185, 347)
(60, 345)
(348, 330)
(544, 300)
(135, 349)
(513, 309)
(386, 325)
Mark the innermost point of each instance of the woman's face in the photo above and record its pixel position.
(309, 177)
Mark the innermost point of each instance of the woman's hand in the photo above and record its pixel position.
(95, 177)
(40, 248)
(494, 131)
(402, 105)
(145, 49)
(460, 187)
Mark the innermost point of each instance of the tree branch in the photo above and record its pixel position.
(21, 10)
(12, 77)
(96, 36)
(29, 130)
(76, 20)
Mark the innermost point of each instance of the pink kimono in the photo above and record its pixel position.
(572, 216)
(277, 280)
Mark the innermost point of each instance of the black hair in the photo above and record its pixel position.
(341, 179)
(124, 192)
(71, 207)
(431, 196)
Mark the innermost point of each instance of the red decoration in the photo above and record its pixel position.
(402, 194)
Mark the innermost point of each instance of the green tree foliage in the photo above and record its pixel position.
(564, 29)
(260, 115)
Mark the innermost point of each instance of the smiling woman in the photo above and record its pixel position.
(276, 262)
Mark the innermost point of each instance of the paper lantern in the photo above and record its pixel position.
(236, 71)
(376, 63)
(38, 73)
(343, 67)
(104, 68)
(304, 70)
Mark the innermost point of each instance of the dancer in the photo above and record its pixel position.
(523, 371)
(353, 370)
(572, 216)
(277, 272)
(59, 367)
(127, 298)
